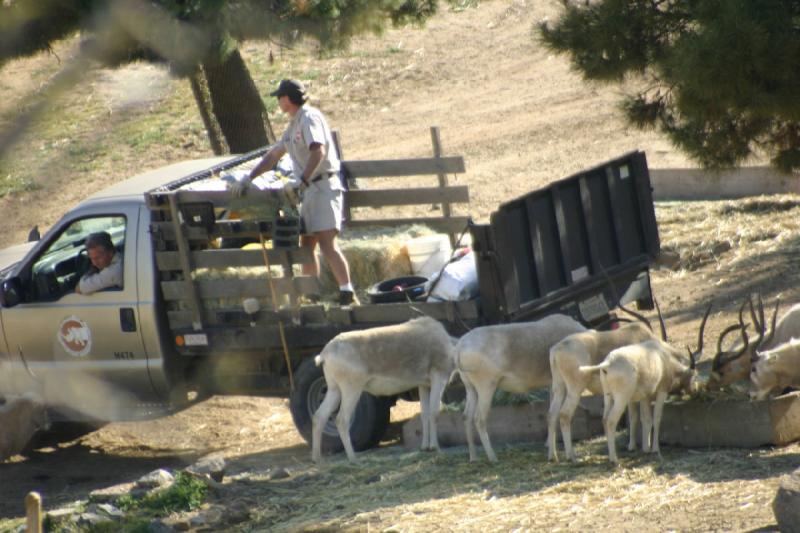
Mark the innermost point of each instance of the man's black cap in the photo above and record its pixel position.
(289, 88)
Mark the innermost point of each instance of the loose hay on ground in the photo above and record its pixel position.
(388, 487)
(726, 232)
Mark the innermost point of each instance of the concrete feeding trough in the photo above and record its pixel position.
(732, 423)
(691, 423)
(509, 423)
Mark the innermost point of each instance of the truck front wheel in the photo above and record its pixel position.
(369, 423)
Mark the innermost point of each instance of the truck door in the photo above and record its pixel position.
(84, 352)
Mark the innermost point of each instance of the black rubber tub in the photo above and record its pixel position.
(396, 290)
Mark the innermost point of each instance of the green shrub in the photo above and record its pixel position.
(186, 494)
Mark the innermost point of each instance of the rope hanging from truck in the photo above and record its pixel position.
(276, 309)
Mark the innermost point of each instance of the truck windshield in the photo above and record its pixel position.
(75, 235)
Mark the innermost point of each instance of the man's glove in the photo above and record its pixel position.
(239, 187)
(293, 192)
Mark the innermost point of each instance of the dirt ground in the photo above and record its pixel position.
(521, 119)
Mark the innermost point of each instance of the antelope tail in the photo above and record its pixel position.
(590, 369)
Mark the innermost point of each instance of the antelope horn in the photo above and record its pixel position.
(754, 352)
(746, 343)
(725, 333)
(773, 321)
(753, 316)
(739, 324)
(759, 324)
(718, 359)
(660, 321)
(636, 315)
(631, 312)
(716, 363)
(612, 320)
(700, 333)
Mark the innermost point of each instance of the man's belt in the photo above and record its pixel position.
(324, 175)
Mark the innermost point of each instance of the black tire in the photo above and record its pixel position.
(370, 420)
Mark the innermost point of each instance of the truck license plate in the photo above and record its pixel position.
(196, 339)
(593, 307)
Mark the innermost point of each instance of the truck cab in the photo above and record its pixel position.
(97, 356)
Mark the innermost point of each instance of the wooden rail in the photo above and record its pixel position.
(442, 194)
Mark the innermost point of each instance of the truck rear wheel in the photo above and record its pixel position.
(370, 420)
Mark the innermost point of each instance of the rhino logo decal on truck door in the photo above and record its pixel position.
(75, 336)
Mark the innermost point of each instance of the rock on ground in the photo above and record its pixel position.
(786, 504)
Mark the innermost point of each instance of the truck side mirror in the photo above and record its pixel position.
(11, 292)
(33, 234)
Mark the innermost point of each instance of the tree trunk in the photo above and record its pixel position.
(203, 100)
(237, 105)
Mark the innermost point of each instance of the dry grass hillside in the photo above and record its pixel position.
(515, 112)
(521, 119)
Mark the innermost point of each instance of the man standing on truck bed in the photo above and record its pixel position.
(309, 142)
(106, 268)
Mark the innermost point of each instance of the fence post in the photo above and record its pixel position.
(33, 513)
(347, 183)
(437, 152)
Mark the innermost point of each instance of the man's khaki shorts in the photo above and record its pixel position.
(322, 207)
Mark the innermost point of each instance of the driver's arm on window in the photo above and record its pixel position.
(111, 276)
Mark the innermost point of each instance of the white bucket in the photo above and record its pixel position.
(428, 254)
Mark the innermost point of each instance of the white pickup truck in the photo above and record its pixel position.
(157, 344)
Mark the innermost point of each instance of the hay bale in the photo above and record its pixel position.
(374, 255)
(232, 273)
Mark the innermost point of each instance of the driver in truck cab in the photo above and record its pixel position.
(106, 270)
